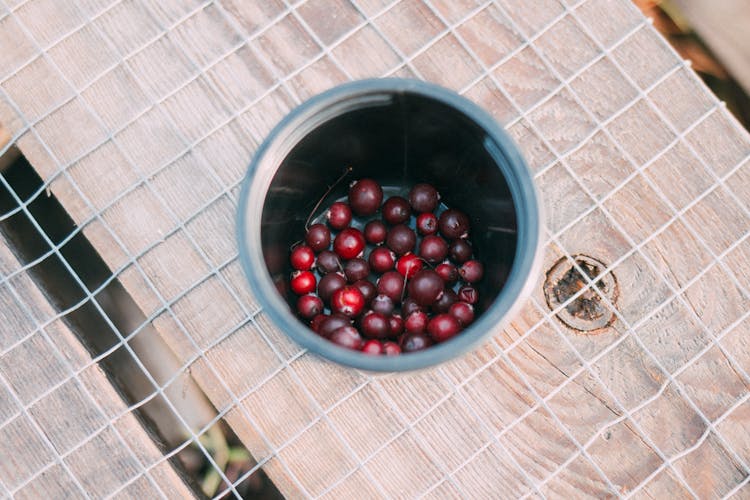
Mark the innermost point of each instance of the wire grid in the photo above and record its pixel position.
(446, 476)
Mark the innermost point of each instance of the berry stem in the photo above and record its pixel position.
(347, 170)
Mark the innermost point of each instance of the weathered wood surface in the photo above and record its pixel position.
(150, 112)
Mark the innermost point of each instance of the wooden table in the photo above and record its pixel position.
(142, 116)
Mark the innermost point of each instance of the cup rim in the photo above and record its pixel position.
(523, 274)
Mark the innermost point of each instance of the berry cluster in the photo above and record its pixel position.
(403, 282)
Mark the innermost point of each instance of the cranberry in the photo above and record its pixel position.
(472, 271)
(365, 196)
(382, 304)
(347, 336)
(433, 248)
(425, 287)
(454, 224)
(401, 239)
(302, 282)
(396, 210)
(409, 306)
(339, 215)
(448, 272)
(356, 269)
(309, 306)
(375, 232)
(468, 294)
(442, 327)
(424, 198)
(443, 304)
(329, 284)
(412, 342)
(318, 237)
(381, 260)
(373, 347)
(302, 258)
(391, 349)
(396, 325)
(328, 262)
(367, 288)
(392, 285)
(408, 265)
(333, 323)
(349, 243)
(375, 325)
(463, 312)
(317, 321)
(348, 301)
(427, 224)
(416, 322)
(460, 251)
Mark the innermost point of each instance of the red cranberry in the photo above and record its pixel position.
(375, 325)
(416, 322)
(373, 347)
(424, 198)
(365, 196)
(302, 258)
(302, 282)
(433, 248)
(463, 312)
(427, 224)
(412, 342)
(401, 239)
(339, 215)
(391, 349)
(443, 304)
(448, 272)
(382, 304)
(309, 306)
(348, 301)
(329, 284)
(396, 325)
(468, 294)
(460, 251)
(425, 287)
(381, 260)
(454, 224)
(409, 306)
(328, 262)
(317, 321)
(408, 265)
(349, 243)
(375, 232)
(392, 285)
(442, 327)
(396, 210)
(347, 336)
(318, 237)
(333, 323)
(367, 288)
(472, 271)
(356, 269)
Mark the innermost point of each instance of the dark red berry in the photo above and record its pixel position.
(460, 251)
(328, 262)
(329, 284)
(416, 322)
(392, 285)
(375, 232)
(442, 327)
(382, 304)
(396, 210)
(443, 304)
(381, 260)
(463, 312)
(408, 265)
(468, 294)
(349, 243)
(454, 224)
(356, 269)
(396, 325)
(412, 342)
(391, 349)
(347, 336)
(375, 325)
(367, 288)
(448, 272)
(302, 282)
(339, 215)
(401, 239)
(425, 287)
(409, 306)
(433, 248)
(424, 198)
(318, 237)
(472, 271)
(365, 197)
(373, 347)
(348, 301)
(333, 323)
(302, 258)
(309, 306)
(317, 321)
(427, 224)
